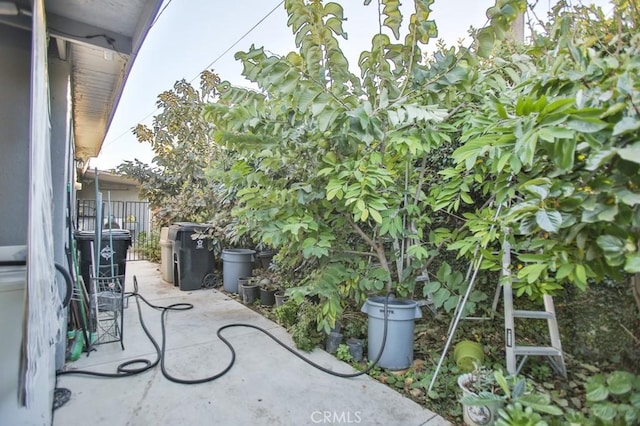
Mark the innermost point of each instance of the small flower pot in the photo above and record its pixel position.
(468, 353)
(333, 341)
(264, 258)
(241, 282)
(249, 292)
(280, 298)
(477, 415)
(355, 349)
(267, 296)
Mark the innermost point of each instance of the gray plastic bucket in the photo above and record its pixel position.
(236, 263)
(398, 349)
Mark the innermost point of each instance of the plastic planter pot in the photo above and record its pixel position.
(280, 298)
(267, 296)
(355, 349)
(477, 415)
(398, 348)
(333, 341)
(242, 281)
(249, 292)
(265, 257)
(467, 353)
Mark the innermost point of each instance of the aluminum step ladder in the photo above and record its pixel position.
(513, 350)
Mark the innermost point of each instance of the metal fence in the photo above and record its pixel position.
(133, 216)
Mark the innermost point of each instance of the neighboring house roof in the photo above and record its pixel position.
(101, 38)
(107, 180)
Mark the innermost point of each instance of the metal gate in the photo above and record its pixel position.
(133, 216)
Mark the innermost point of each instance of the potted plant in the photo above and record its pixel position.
(265, 257)
(267, 292)
(249, 289)
(485, 393)
(281, 297)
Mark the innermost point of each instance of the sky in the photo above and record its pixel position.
(190, 35)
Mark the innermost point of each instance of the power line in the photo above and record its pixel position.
(241, 38)
(160, 14)
(126, 132)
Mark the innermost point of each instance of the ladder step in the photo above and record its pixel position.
(533, 314)
(536, 350)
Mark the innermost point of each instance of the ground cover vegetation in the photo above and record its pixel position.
(397, 177)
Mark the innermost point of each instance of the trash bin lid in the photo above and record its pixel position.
(116, 234)
(181, 227)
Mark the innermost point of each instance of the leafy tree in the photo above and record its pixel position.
(176, 184)
(556, 143)
(332, 165)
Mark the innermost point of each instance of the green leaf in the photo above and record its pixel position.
(549, 220)
(336, 26)
(540, 403)
(320, 103)
(502, 381)
(627, 124)
(629, 198)
(587, 125)
(610, 244)
(597, 160)
(532, 272)
(551, 133)
(564, 271)
(539, 187)
(485, 39)
(620, 382)
(605, 411)
(466, 198)
(598, 393)
(375, 215)
(632, 264)
(631, 153)
(441, 296)
(334, 9)
(581, 276)
(430, 288)
(306, 99)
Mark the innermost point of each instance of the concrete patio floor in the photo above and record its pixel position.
(266, 386)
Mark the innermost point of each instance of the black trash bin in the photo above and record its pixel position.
(192, 260)
(121, 239)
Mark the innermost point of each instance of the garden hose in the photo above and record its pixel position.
(125, 369)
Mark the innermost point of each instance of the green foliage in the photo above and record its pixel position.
(343, 354)
(287, 313)
(556, 144)
(362, 181)
(449, 284)
(614, 399)
(148, 244)
(328, 163)
(517, 414)
(489, 387)
(355, 326)
(304, 331)
(176, 184)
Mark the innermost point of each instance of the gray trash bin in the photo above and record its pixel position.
(236, 263)
(398, 349)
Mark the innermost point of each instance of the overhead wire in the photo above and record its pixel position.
(160, 13)
(213, 62)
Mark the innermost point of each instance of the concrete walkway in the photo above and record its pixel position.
(266, 386)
